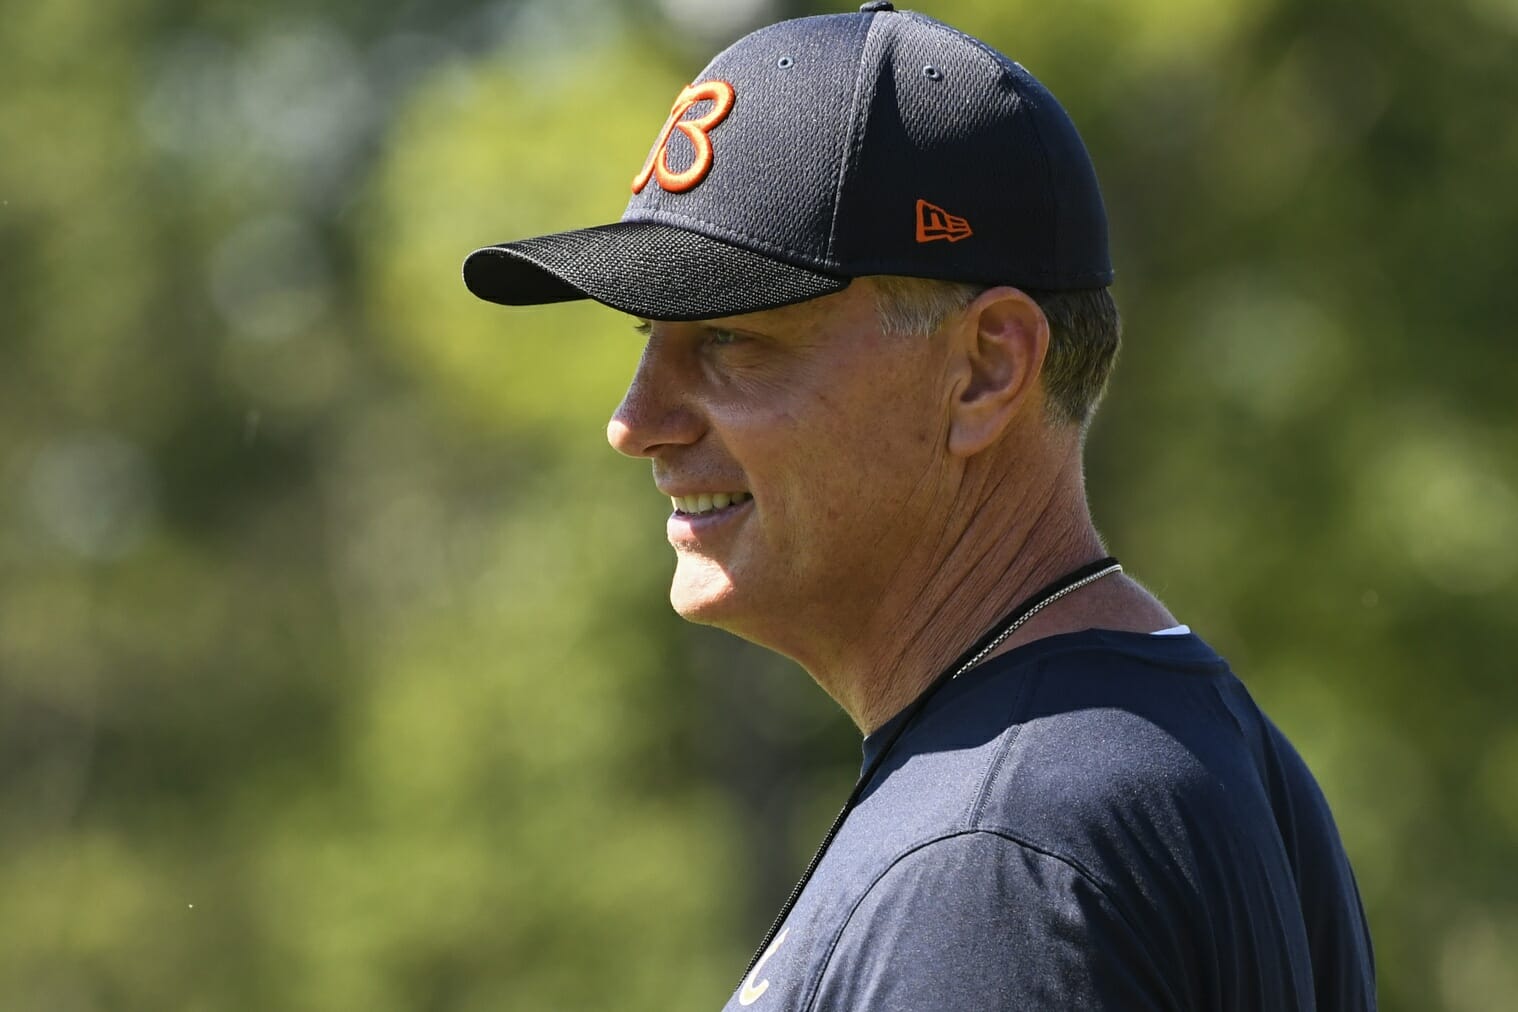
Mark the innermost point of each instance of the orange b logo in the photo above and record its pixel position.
(720, 94)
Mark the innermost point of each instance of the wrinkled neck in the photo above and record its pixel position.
(1006, 539)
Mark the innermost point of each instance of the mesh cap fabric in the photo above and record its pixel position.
(630, 266)
(822, 149)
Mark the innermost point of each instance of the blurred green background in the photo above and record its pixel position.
(335, 666)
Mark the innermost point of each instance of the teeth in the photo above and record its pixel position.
(708, 502)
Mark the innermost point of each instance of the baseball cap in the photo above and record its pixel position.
(826, 148)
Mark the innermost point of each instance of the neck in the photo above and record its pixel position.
(1003, 550)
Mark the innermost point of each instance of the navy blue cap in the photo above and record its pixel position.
(823, 149)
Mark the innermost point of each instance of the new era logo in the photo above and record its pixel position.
(933, 222)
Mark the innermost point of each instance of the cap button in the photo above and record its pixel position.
(875, 6)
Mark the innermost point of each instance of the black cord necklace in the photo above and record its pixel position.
(993, 638)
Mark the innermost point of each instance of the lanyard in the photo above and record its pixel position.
(993, 638)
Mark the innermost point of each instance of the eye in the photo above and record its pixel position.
(721, 338)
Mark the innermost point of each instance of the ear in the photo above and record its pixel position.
(1000, 341)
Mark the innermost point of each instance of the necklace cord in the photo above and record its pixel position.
(977, 652)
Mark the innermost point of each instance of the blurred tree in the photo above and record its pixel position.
(335, 670)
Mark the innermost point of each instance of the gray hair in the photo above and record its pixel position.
(1085, 331)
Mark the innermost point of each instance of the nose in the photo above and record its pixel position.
(656, 412)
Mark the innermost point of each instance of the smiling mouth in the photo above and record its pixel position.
(696, 505)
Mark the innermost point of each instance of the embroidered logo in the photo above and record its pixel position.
(752, 992)
(720, 95)
(933, 222)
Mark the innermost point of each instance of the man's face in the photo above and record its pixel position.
(828, 441)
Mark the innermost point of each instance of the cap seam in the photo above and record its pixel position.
(1000, 60)
(854, 142)
(1051, 197)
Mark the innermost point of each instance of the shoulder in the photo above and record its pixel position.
(1155, 772)
(1109, 726)
(982, 920)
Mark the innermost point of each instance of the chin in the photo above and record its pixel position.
(705, 594)
(702, 592)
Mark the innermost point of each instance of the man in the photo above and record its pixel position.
(871, 260)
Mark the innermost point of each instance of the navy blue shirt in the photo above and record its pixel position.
(1098, 820)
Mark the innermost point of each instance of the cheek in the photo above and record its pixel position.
(925, 435)
(869, 471)
(844, 456)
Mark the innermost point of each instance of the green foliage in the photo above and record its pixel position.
(335, 670)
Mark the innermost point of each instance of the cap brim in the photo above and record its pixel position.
(657, 272)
